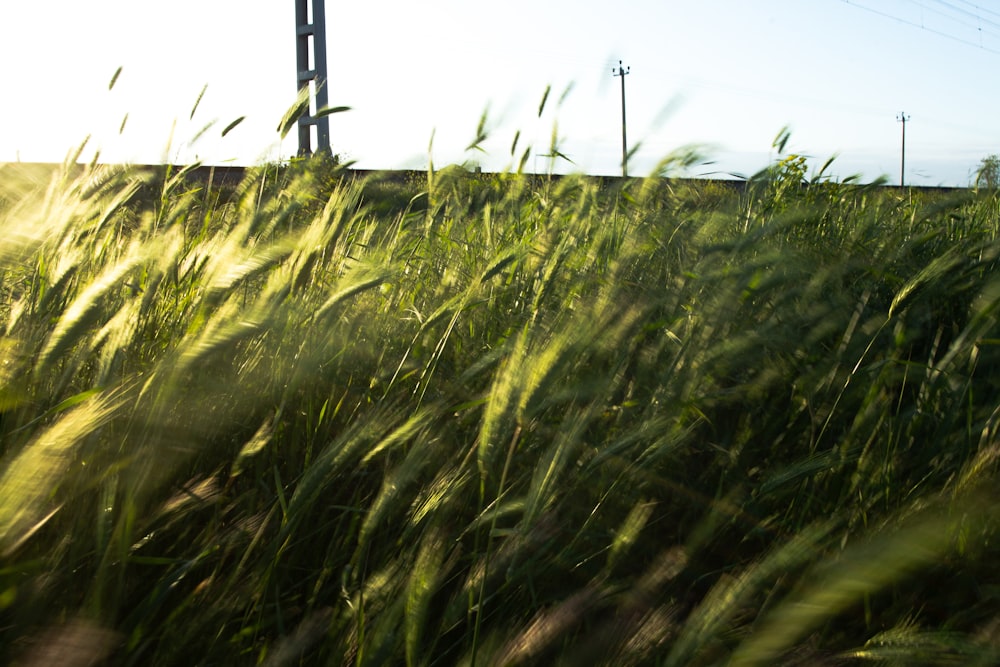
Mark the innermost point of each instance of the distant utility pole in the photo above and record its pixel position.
(902, 118)
(314, 73)
(622, 71)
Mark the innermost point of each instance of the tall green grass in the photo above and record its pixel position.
(503, 421)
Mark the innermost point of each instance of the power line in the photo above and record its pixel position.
(955, 10)
(829, 104)
(914, 24)
(978, 26)
(966, 12)
(980, 9)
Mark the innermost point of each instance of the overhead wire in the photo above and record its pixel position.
(976, 15)
(981, 9)
(957, 10)
(838, 104)
(978, 27)
(900, 19)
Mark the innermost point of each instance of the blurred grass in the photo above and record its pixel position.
(495, 419)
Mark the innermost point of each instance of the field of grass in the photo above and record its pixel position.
(496, 420)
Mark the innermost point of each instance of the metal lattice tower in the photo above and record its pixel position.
(310, 40)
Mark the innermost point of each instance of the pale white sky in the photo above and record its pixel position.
(727, 74)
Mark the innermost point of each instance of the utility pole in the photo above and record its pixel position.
(902, 118)
(310, 39)
(622, 71)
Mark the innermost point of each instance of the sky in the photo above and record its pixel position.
(722, 77)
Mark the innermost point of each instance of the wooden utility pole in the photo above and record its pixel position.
(622, 71)
(310, 39)
(902, 118)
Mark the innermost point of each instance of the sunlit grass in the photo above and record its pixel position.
(495, 419)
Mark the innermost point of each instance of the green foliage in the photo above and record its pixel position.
(988, 174)
(494, 419)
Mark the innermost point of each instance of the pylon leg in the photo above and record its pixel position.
(310, 40)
